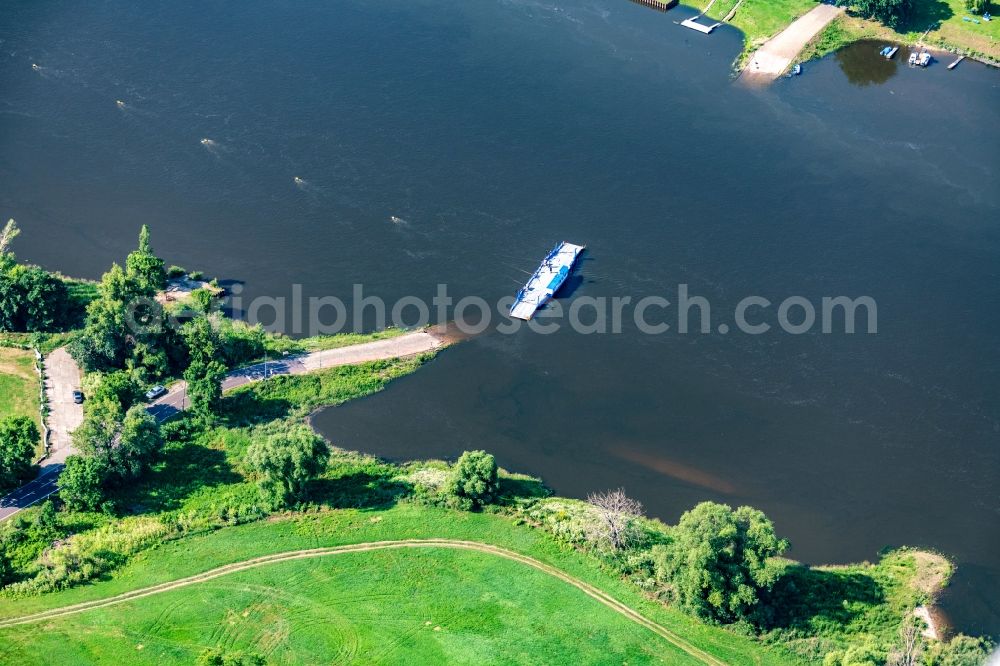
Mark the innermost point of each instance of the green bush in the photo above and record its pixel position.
(218, 657)
(81, 484)
(284, 464)
(474, 480)
(175, 272)
(961, 650)
(720, 561)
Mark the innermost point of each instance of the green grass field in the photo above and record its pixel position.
(19, 385)
(761, 19)
(360, 603)
(427, 607)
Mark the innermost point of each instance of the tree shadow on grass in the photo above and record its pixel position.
(807, 599)
(247, 408)
(358, 490)
(925, 15)
(512, 489)
(181, 470)
(928, 14)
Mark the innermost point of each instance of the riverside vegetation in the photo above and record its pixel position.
(242, 475)
(940, 23)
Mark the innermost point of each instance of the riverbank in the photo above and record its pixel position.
(934, 23)
(848, 28)
(190, 505)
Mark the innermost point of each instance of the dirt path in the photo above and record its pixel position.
(584, 587)
(772, 59)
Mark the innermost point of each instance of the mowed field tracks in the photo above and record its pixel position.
(591, 591)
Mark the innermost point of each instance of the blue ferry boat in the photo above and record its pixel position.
(546, 280)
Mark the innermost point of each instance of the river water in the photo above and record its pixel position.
(455, 142)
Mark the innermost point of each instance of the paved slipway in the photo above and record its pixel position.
(775, 56)
(63, 377)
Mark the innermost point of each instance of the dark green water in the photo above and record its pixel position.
(494, 129)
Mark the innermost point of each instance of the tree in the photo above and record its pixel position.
(100, 429)
(205, 372)
(719, 560)
(202, 341)
(474, 481)
(909, 649)
(105, 340)
(31, 299)
(9, 233)
(616, 517)
(124, 442)
(120, 387)
(138, 444)
(204, 388)
(34, 300)
(892, 13)
(145, 268)
(284, 464)
(18, 437)
(977, 6)
(81, 484)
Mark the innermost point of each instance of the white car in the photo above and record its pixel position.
(155, 392)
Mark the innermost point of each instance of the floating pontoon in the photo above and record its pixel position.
(546, 280)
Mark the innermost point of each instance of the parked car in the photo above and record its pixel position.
(78, 397)
(155, 392)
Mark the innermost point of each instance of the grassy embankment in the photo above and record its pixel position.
(762, 19)
(196, 510)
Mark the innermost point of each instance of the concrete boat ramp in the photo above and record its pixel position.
(772, 59)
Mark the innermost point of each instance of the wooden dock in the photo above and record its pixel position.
(658, 5)
(955, 64)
